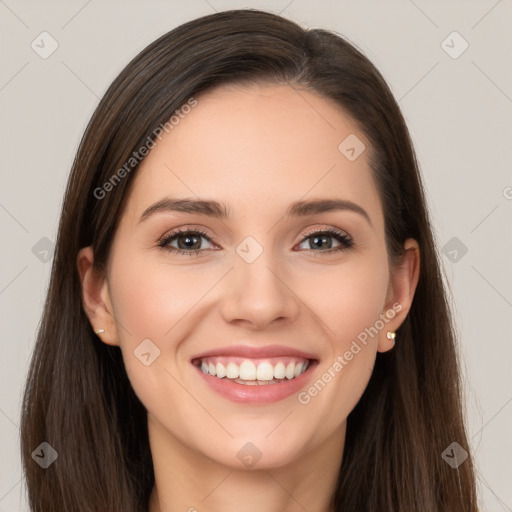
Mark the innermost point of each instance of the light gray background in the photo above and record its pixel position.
(458, 111)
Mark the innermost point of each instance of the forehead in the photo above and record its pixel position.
(257, 146)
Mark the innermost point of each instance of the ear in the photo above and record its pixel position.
(402, 286)
(96, 298)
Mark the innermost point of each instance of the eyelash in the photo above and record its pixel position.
(345, 241)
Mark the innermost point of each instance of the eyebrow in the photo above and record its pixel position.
(221, 211)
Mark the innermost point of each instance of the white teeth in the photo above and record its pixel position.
(247, 372)
(265, 372)
(279, 371)
(220, 370)
(232, 371)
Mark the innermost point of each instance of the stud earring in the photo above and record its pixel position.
(99, 331)
(390, 335)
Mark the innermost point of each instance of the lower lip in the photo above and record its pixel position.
(257, 394)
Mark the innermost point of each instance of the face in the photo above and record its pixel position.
(281, 287)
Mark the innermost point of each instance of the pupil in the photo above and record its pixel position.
(321, 241)
(188, 239)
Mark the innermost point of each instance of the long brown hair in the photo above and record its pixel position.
(78, 397)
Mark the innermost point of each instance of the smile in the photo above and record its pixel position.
(254, 371)
(255, 375)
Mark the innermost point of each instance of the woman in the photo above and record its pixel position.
(243, 238)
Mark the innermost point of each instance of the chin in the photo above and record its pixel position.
(257, 453)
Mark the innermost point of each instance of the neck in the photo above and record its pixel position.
(187, 480)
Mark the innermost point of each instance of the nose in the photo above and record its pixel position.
(256, 295)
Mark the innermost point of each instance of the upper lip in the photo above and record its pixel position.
(250, 351)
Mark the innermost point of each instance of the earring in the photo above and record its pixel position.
(390, 335)
(99, 331)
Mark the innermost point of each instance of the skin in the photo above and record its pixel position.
(257, 149)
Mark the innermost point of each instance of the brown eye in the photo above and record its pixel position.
(186, 242)
(323, 240)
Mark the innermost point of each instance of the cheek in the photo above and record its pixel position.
(347, 298)
(349, 301)
(154, 301)
(158, 302)
(151, 298)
